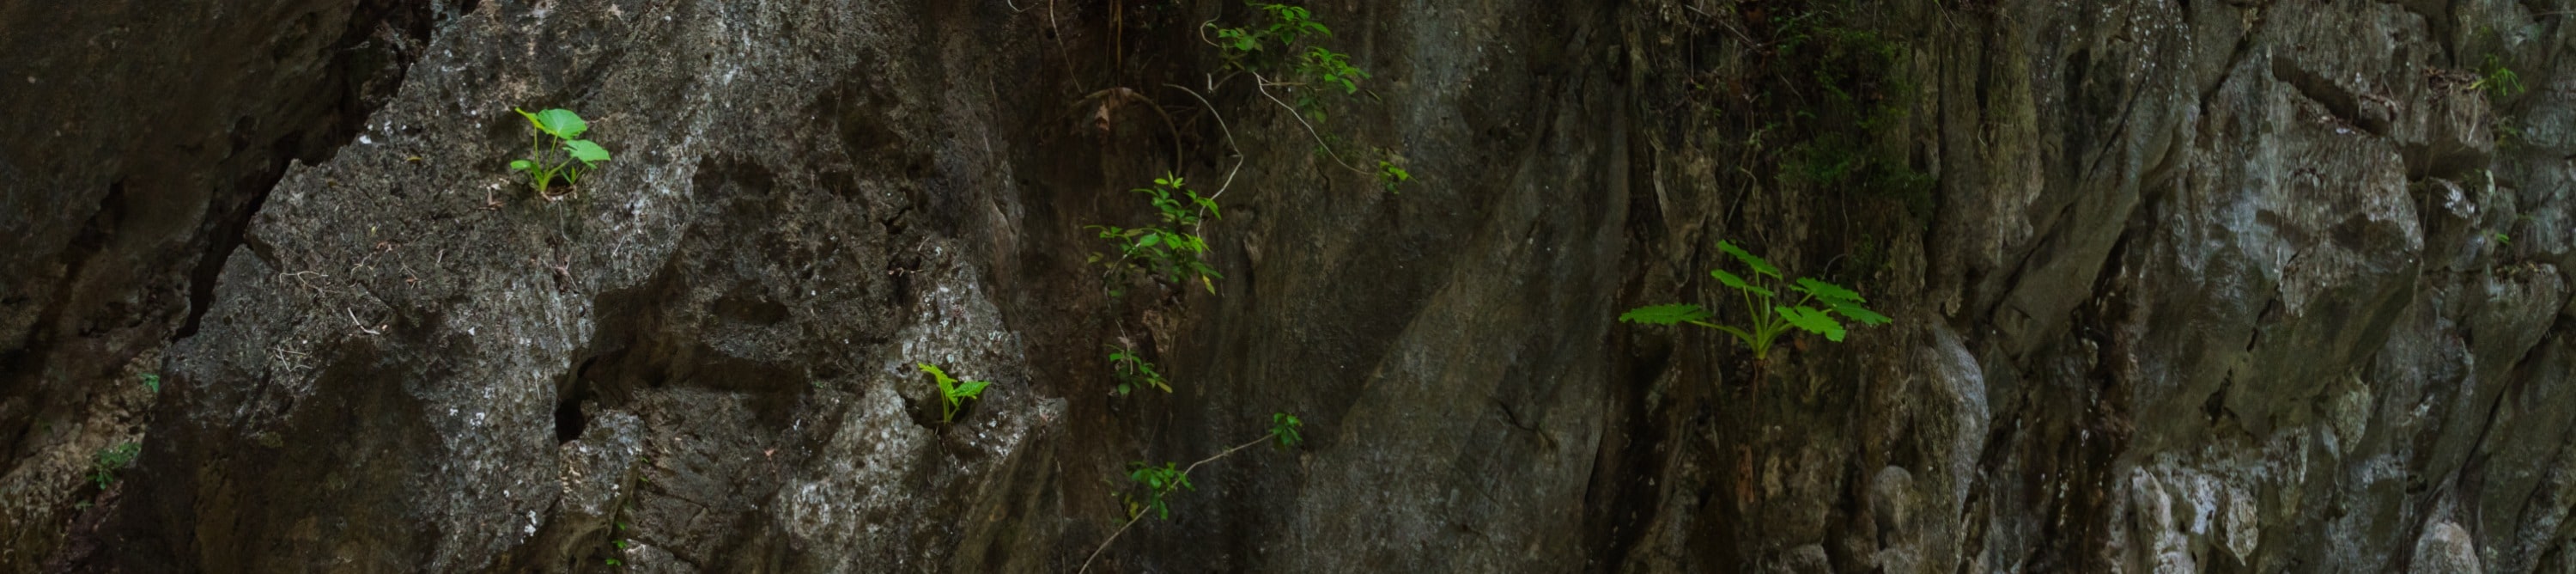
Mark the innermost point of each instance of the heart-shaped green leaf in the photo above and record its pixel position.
(560, 122)
(588, 153)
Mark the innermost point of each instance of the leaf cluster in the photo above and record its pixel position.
(1134, 372)
(953, 393)
(567, 158)
(1156, 482)
(1283, 428)
(103, 466)
(1813, 312)
(2496, 79)
(1171, 249)
(1275, 47)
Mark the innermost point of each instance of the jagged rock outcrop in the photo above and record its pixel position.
(2179, 287)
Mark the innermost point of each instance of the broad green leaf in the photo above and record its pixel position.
(1857, 312)
(560, 122)
(1737, 282)
(1828, 290)
(1149, 241)
(1664, 314)
(1758, 264)
(588, 153)
(522, 165)
(972, 389)
(1813, 321)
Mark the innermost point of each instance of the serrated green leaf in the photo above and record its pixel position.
(587, 152)
(1857, 312)
(1758, 264)
(560, 122)
(1664, 314)
(1738, 282)
(1813, 321)
(1829, 291)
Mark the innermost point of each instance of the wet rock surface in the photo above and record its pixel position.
(2194, 286)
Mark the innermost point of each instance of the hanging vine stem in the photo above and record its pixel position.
(1185, 472)
(1263, 83)
(1229, 141)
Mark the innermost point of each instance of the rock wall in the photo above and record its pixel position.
(2178, 286)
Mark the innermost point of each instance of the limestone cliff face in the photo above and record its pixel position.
(2179, 286)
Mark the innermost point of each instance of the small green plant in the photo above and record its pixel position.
(1283, 427)
(104, 465)
(1134, 372)
(1272, 50)
(953, 393)
(1391, 176)
(152, 382)
(1156, 483)
(2498, 80)
(1769, 321)
(567, 158)
(1171, 250)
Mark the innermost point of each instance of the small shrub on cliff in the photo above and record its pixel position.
(567, 158)
(1155, 484)
(953, 394)
(1769, 321)
(104, 465)
(1134, 372)
(1275, 52)
(2497, 80)
(1171, 250)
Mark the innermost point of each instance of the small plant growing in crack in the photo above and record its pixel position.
(2497, 80)
(108, 461)
(568, 157)
(1171, 250)
(1134, 372)
(1154, 484)
(1768, 320)
(953, 393)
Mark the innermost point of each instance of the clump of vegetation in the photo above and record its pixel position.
(1767, 321)
(105, 464)
(1134, 372)
(1391, 175)
(567, 158)
(152, 382)
(2497, 80)
(953, 393)
(1172, 249)
(1277, 45)
(1156, 483)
